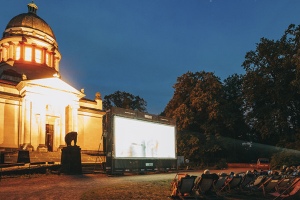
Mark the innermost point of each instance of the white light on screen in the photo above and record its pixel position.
(143, 139)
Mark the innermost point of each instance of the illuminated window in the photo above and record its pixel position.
(47, 59)
(28, 54)
(18, 53)
(38, 56)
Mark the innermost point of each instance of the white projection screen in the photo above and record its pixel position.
(142, 139)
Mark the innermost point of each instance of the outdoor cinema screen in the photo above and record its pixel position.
(142, 139)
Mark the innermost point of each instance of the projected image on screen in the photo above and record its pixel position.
(142, 139)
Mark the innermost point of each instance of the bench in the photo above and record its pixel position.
(7, 165)
(37, 163)
(27, 166)
(2, 155)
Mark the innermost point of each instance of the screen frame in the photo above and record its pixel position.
(170, 131)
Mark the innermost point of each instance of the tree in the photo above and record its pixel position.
(235, 131)
(232, 109)
(271, 94)
(124, 100)
(195, 107)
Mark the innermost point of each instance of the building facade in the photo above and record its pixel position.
(37, 108)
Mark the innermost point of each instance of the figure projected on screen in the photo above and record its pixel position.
(137, 149)
(152, 148)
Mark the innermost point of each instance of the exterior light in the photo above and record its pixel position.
(56, 75)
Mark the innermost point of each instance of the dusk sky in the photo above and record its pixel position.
(142, 46)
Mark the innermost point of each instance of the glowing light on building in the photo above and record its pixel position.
(28, 54)
(38, 56)
(47, 59)
(38, 108)
(18, 53)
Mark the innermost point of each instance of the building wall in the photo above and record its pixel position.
(40, 107)
(90, 131)
(9, 120)
(23, 119)
(10, 106)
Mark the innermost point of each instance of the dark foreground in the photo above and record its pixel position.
(101, 186)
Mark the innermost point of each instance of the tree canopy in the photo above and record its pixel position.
(124, 100)
(195, 107)
(260, 107)
(271, 89)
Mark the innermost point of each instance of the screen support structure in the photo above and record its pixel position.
(128, 129)
(98, 157)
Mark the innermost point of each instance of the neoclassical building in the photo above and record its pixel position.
(37, 108)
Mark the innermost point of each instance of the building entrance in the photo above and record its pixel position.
(49, 136)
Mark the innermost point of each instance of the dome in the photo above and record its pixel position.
(30, 20)
(29, 40)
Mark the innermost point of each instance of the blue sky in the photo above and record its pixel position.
(142, 46)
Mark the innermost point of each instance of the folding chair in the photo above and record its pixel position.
(247, 181)
(258, 182)
(174, 183)
(219, 183)
(184, 186)
(269, 186)
(292, 191)
(232, 183)
(284, 183)
(205, 183)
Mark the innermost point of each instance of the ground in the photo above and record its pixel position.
(96, 186)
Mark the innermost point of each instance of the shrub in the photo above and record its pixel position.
(222, 164)
(288, 158)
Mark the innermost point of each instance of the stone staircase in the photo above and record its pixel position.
(55, 157)
(41, 161)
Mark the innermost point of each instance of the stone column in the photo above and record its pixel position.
(72, 118)
(22, 51)
(52, 59)
(22, 123)
(56, 142)
(1, 52)
(27, 124)
(33, 53)
(11, 51)
(75, 118)
(15, 52)
(44, 53)
(4, 53)
(43, 129)
(42, 132)
(69, 119)
(62, 129)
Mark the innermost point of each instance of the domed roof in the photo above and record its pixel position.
(30, 20)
